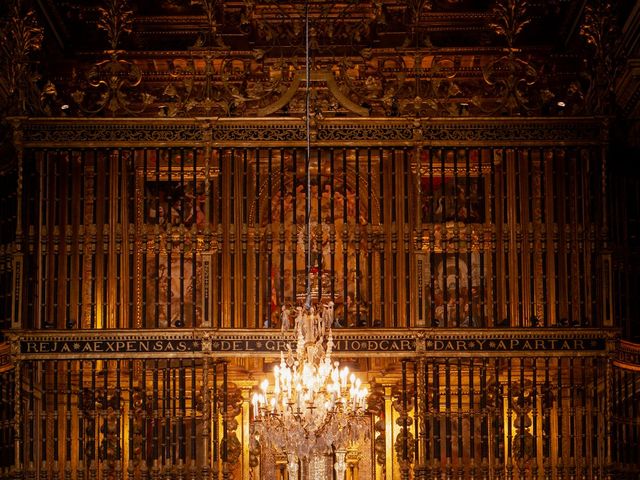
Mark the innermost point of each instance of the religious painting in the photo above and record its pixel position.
(174, 290)
(451, 199)
(450, 290)
(451, 185)
(175, 203)
(334, 267)
(173, 195)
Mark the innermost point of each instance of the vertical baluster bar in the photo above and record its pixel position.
(429, 413)
(181, 321)
(118, 441)
(31, 429)
(404, 467)
(155, 414)
(81, 409)
(460, 434)
(68, 393)
(242, 323)
(634, 418)
(534, 417)
(383, 199)
(182, 395)
(347, 321)
(17, 423)
(166, 410)
(613, 462)
(456, 250)
(485, 419)
(257, 243)
(509, 399)
(132, 457)
(175, 418)
(56, 425)
(469, 309)
(332, 220)
(593, 416)
(282, 239)
(225, 421)
(216, 435)
(448, 420)
(498, 422)
(147, 421)
(93, 430)
(162, 218)
(560, 421)
(266, 321)
(572, 419)
(406, 172)
(619, 418)
(428, 217)
(294, 237)
(417, 415)
(44, 417)
(369, 253)
(522, 416)
(472, 419)
(582, 463)
(193, 406)
(437, 437)
(172, 218)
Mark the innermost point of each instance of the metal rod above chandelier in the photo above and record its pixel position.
(313, 407)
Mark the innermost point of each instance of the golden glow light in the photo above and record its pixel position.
(313, 405)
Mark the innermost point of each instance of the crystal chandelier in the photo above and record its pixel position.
(313, 404)
(313, 407)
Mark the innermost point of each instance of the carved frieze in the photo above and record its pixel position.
(268, 131)
(117, 133)
(269, 344)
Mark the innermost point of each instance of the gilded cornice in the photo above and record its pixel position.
(272, 131)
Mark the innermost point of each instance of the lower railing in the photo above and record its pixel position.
(433, 415)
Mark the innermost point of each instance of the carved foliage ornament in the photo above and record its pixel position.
(111, 83)
(329, 22)
(510, 75)
(601, 33)
(20, 38)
